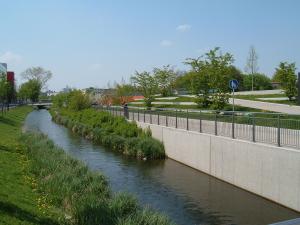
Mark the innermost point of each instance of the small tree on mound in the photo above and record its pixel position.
(147, 85)
(286, 75)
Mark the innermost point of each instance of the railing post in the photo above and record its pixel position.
(278, 131)
(200, 120)
(233, 136)
(216, 123)
(144, 115)
(176, 119)
(253, 128)
(166, 120)
(187, 119)
(150, 117)
(133, 114)
(139, 114)
(157, 117)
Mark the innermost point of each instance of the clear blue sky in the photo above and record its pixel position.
(90, 42)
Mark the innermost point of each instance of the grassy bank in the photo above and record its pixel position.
(42, 185)
(83, 196)
(113, 132)
(20, 203)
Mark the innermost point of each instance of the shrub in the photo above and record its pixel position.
(145, 217)
(113, 132)
(150, 148)
(219, 101)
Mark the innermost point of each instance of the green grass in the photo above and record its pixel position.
(178, 99)
(195, 107)
(255, 97)
(82, 195)
(19, 201)
(42, 185)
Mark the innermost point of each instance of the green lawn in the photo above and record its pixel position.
(227, 108)
(257, 98)
(19, 202)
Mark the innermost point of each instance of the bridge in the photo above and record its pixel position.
(42, 105)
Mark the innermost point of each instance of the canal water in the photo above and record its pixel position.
(187, 196)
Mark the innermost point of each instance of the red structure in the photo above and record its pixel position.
(11, 77)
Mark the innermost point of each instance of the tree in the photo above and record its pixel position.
(165, 78)
(210, 75)
(30, 90)
(77, 100)
(123, 93)
(37, 73)
(183, 81)
(252, 65)
(286, 75)
(261, 82)
(74, 100)
(146, 84)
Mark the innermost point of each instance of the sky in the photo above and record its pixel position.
(95, 42)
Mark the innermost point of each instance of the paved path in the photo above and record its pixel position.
(274, 107)
(268, 106)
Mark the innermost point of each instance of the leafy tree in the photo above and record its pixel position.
(183, 81)
(37, 73)
(252, 65)
(30, 90)
(165, 78)
(286, 75)
(210, 74)
(77, 100)
(147, 85)
(124, 93)
(261, 82)
(60, 100)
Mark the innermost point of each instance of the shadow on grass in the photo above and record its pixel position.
(7, 121)
(4, 148)
(15, 211)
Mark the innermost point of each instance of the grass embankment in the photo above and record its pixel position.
(41, 184)
(111, 131)
(83, 196)
(20, 203)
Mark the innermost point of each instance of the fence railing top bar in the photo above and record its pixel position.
(220, 112)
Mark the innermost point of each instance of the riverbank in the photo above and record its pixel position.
(112, 132)
(50, 187)
(20, 203)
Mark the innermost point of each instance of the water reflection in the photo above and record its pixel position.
(184, 194)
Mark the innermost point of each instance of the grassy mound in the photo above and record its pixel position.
(112, 131)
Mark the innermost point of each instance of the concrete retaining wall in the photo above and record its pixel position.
(269, 171)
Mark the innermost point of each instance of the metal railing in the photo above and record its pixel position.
(270, 128)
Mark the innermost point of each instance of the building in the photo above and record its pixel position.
(3, 68)
(10, 76)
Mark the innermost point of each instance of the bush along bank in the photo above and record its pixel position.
(83, 196)
(110, 131)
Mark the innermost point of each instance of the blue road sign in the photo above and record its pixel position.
(233, 84)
